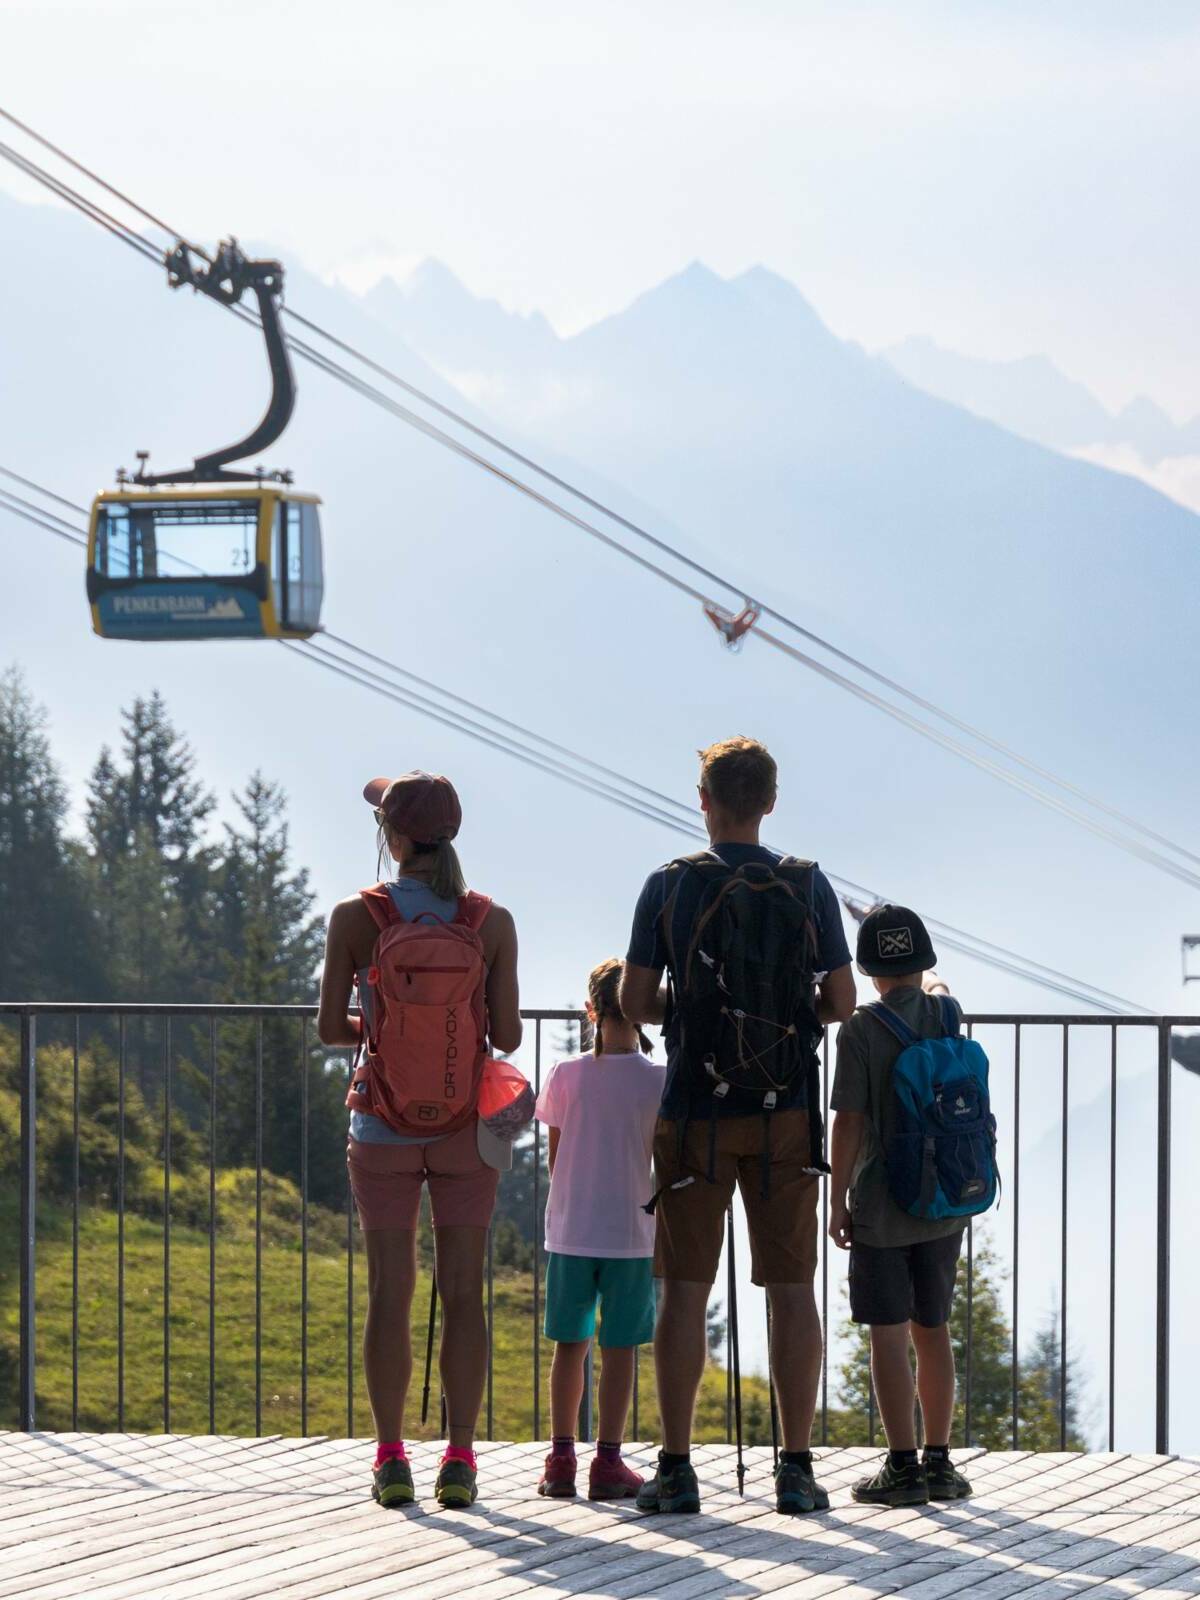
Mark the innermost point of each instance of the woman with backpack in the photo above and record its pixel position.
(436, 971)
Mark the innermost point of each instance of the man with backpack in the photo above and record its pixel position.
(756, 961)
(913, 1150)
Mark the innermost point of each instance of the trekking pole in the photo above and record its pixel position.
(737, 1360)
(433, 1299)
(771, 1392)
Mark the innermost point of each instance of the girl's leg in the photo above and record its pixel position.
(616, 1390)
(387, 1343)
(463, 1362)
(566, 1387)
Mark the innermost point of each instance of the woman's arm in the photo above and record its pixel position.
(503, 998)
(335, 1025)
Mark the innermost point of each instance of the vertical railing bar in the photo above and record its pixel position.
(258, 1198)
(1016, 1233)
(1112, 1239)
(212, 1224)
(75, 1226)
(825, 1255)
(28, 1309)
(871, 1409)
(537, 1234)
(1162, 1339)
(585, 1402)
(304, 1227)
(637, 1362)
(166, 1326)
(349, 1288)
(969, 1374)
(1063, 1263)
(491, 1330)
(123, 1045)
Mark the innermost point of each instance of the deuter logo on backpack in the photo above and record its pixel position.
(425, 1046)
(940, 1150)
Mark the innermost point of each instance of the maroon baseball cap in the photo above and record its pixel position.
(421, 805)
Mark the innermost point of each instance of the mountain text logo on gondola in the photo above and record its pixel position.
(181, 605)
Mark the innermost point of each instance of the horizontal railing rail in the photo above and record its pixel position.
(251, 1041)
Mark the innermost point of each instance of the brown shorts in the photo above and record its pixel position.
(690, 1222)
(386, 1180)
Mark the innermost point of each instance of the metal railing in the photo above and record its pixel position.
(1017, 1044)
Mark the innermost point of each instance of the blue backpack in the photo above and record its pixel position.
(941, 1151)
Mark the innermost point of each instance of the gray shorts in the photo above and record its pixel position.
(904, 1282)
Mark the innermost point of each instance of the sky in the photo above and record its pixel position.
(1007, 178)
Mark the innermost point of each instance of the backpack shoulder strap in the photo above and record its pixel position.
(896, 1026)
(473, 909)
(951, 1016)
(380, 904)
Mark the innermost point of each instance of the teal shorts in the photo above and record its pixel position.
(623, 1289)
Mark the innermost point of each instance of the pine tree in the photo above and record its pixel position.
(151, 869)
(48, 944)
(271, 945)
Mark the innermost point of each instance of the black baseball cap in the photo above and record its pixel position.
(893, 942)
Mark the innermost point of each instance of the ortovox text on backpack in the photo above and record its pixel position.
(940, 1149)
(423, 1054)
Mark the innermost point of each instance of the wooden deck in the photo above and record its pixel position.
(114, 1516)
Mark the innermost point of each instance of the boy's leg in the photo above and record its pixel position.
(892, 1372)
(934, 1266)
(935, 1381)
(881, 1297)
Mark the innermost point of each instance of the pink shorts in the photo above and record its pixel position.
(386, 1182)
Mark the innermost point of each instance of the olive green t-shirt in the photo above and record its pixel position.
(866, 1054)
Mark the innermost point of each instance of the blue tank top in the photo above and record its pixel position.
(413, 899)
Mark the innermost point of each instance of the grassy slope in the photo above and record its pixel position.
(328, 1344)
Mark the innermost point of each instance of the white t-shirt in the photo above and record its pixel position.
(605, 1108)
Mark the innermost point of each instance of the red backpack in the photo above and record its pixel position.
(422, 1060)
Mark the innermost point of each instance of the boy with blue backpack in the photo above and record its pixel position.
(913, 1153)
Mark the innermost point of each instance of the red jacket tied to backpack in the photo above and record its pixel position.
(423, 1054)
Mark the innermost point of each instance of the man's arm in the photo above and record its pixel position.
(836, 995)
(643, 995)
(844, 1144)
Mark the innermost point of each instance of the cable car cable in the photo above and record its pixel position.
(682, 820)
(369, 392)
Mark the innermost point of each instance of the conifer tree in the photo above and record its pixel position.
(48, 945)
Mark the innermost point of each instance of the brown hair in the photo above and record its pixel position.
(447, 880)
(604, 984)
(739, 776)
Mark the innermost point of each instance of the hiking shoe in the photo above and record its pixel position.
(944, 1479)
(674, 1490)
(455, 1486)
(894, 1486)
(558, 1477)
(613, 1480)
(797, 1490)
(393, 1483)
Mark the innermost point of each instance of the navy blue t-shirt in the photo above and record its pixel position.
(648, 948)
